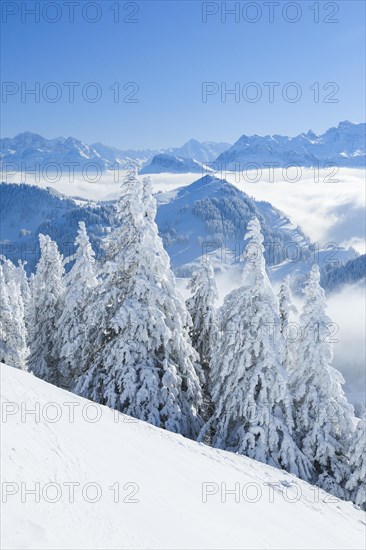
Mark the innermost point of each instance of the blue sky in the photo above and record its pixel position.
(169, 53)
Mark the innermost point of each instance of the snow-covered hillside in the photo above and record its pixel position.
(28, 210)
(103, 480)
(335, 277)
(209, 214)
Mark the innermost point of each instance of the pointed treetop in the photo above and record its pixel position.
(149, 199)
(85, 248)
(254, 271)
(313, 291)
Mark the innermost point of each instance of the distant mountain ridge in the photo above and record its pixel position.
(341, 146)
(205, 151)
(174, 165)
(27, 150)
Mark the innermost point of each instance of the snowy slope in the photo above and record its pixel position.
(162, 478)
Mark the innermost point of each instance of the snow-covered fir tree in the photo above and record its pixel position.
(323, 417)
(71, 338)
(8, 268)
(285, 305)
(46, 305)
(204, 332)
(143, 363)
(22, 279)
(17, 273)
(13, 333)
(356, 483)
(5, 321)
(249, 385)
(19, 344)
(286, 308)
(201, 306)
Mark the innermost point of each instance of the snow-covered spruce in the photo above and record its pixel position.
(286, 308)
(23, 282)
(204, 332)
(356, 484)
(201, 306)
(5, 320)
(249, 385)
(47, 287)
(17, 273)
(13, 332)
(142, 363)
(71, 325)
(323, 417)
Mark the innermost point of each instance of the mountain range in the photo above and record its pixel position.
(173, 164)
(343, 145)
(27, 150)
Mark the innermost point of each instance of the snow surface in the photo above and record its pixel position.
(166, 473)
